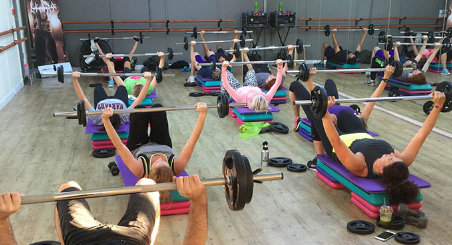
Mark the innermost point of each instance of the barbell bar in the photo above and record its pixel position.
(426, 44)
(136, 38)
(370, 29)
(195, 32)
(405, 37)
(242, 41)
(319, 99)
(290, 62)
(298, 45)
(222, 107)
(61, 74)
(303, 72)
(238, 181)
(170, 54)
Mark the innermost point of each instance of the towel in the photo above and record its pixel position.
(250, 129)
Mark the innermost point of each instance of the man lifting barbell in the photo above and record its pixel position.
(338, 54)
(196, 59)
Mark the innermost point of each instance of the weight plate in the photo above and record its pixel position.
(360, 227)
(327, 30)
(242, 40)
(319, 100)
(103, 153)
(398, 68)
(279, 161)
(299, 46)
(170, 53)
(407, 238)
(294, 167)
(249, 178)
(371, 29)
(185, 43)
(195, 32)
(223, 105)
(60, 74)
(356, 108)
(428, 107)
(236, 188)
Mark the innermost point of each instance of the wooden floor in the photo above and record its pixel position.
(39, 152)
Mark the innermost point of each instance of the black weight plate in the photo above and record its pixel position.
(382, 37)
(60, 74)
(236, 191)
(79, 113)
(186, 43)
(279, 128)
(299, 46)
(319, 99)
(371, 29)
(407, 238)
(394, 93)
(303, 73)
(360, 227)
(312, 163)
(294, 167)
(223, 105)
(214, 63)
(398, 68)
(242, 40)
(388, 44)
(428, 107)
(290, 62)
(249, 178)
(103, 153)
(46, 243)
(195, 32)
(82, 113)
(327, 30)
(237, 50)
(170, 53)
(279, 161)
(397, 222)
(356, 108)
(114, 170)
(158, 74)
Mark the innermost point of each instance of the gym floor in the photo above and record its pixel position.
(39, 152)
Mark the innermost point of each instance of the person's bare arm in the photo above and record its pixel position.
(411, 150)
(353, 163)
(181, 161)
(415, 50)
(78, 89)
(363, 38)
(9, 204)
(134, 165)
(421, 52)
(396, 51)
(309, 82)
(377, 93)
(192, 188)
(335, 43)
(134, 47)
(290, 49)
(431, 57)
(205, 45)
(236, 39)
(192, 56)
(144, 89)
(246, 59)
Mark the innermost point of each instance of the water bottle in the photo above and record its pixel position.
(111, 84)
(264, 154)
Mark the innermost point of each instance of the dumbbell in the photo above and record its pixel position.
(420, 222)
(404, 210)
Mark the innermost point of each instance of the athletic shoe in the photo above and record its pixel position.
(445, 72)
(191, 79)
(369, 82)
(297, 124)
(320, 64)
(368, 74)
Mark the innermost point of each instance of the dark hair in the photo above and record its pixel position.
(115, 121)
(269, 85)
(352, 60)
(417, 79)
(399, 189)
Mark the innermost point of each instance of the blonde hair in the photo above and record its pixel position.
(137, 89)
(259, 103)
(216, 74)
(162, 175)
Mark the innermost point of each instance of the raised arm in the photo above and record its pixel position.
(363, 38)
(309, 82)
(204, 45)
(377, 93)
(181, 161)
(415, 50)
(111, 69)
(133, 164)
(274, 88)
(396, 51)
(192, 188)
(290, 49)
(9, 204)
(335, 43)
(224, 81)
(410, 152)
(144, 89)
(354, 164)
(246, 59)
(431, 57)
(192, 56)
(134, 47)
(236, 39)
(419, 55)
(78, 89)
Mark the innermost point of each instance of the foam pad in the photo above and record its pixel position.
(279, 99)
(105, 142)
(246, 110)
(278, 93)
(210, 89)
(240, 122)
(306, 125)
(93, 128)
(303, 133)
(407, 86)
(326, 175)
(146, 101)
(333, 65)
(253, 117)
(104, 136)
(208, 82)
(374, 208)
(169, 208)
(372, 190)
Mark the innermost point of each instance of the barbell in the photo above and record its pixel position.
(195, 32)
(371, 29)
(430, 34)
(388, 44)
(81, 114)
(298, 45)
(238, 181)
(170, 54)
(319, 99)
(303, 72)
(242, 41)
(290, 61)
(139, 38)
(61, 74)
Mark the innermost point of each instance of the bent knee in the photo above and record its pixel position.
(69, 184)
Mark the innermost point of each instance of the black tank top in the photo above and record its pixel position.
(372, 150)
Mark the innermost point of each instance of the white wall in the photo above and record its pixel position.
(11, 80)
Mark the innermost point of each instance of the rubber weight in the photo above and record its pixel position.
(279, 161)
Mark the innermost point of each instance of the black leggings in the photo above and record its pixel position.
(348, 122)
(120, 94)
(139, 123)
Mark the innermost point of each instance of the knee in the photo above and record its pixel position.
(196, 53)
(375, 49)
(329, 82)
(325, 44)
(155, 195)
(69, 184)
(145, 181)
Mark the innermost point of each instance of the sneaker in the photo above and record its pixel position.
(445, 72)
(297, 124)
(191, 79)
(369, 82)
(368, 74)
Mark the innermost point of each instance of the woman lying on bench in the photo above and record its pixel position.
(365, 156)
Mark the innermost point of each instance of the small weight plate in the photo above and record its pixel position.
(103, 153)
(407, 238)
(294, 167)
(279, 161)
(360, 227)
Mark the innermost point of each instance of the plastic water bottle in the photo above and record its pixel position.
(264, 154)
(111, 84)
